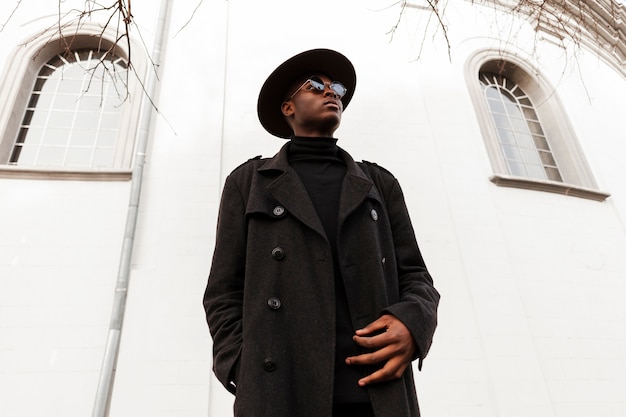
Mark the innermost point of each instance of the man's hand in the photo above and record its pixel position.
(390, 342)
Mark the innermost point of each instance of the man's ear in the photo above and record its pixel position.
(287, 108)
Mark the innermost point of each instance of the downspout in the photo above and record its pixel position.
(111, 352)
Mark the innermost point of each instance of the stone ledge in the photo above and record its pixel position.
(548, 186)
(15, 172)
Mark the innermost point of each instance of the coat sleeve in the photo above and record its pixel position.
(223, 298)
(417, 306)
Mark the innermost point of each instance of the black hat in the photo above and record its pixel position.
(315, 61)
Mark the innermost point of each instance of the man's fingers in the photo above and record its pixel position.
(372, 358)
(372, 342)
(393, 369)
(377, 326)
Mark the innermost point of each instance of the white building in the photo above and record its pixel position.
(522, 221)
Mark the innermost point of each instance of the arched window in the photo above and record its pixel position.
(73, 115)
(70, 105)
(527, 134)
(521, 137)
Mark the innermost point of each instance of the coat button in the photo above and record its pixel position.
(269, 365)
(274, 303)
(278, 253)
(374, 214)
(278, 211)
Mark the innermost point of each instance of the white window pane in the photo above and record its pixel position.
(496, 105)
(530, 156)
(69, 86)
(78, 157)
(65, 102)
(110, 120)
(89, 103)
(75, 73)
(501, 120)
(84, 137)
(56, 136)
(536, 171)
(506, 137)
(512, 109)
(107, 138)
(61, 119)
(50, 156)
(524, 140)
(103, 158)
(517, 168)
(512, 152)
(87, 120)
(492, 93)
(518, 124)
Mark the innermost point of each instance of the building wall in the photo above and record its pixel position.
(531, 319)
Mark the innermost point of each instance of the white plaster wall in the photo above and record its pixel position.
(531, 319)
(164, 366)
(59, 249)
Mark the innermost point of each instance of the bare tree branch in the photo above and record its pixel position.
(595, 24)
(17, 5)
(190, 18)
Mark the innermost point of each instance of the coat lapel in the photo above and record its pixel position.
(356, 188)
(289, 191)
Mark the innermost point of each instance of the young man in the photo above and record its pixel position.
(318, 297)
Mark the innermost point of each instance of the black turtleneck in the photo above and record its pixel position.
(321, 169)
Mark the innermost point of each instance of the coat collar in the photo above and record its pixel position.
(289, 191)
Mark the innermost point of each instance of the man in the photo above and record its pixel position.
(318, 297)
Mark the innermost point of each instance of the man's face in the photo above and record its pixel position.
(312, 112)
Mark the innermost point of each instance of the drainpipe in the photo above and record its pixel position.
(107, 372)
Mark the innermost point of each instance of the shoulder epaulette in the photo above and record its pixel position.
(256, 158)
(374, 164)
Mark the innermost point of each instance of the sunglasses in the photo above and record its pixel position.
(317, 85)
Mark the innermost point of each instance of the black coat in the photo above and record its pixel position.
(270, 301)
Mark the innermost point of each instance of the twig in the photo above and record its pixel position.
(190, 18)
(18, 2)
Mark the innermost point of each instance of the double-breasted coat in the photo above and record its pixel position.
(270, 298)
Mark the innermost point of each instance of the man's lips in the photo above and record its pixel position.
(332, 103)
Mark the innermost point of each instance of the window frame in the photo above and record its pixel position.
(16, 86)
(573, 167)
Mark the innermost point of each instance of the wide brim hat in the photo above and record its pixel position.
(315, 61)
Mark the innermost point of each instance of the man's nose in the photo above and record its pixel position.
(329, 91)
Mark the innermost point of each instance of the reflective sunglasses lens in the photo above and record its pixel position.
(338, 88)
(317, 83)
